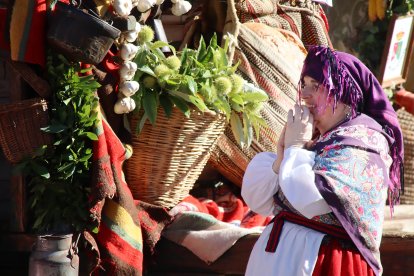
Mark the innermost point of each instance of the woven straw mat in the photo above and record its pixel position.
(305, 18)
(270, 58)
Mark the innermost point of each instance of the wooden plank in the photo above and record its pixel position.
(173, 258)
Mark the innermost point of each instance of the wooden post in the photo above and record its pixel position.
(17, 217)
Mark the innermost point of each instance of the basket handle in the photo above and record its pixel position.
(40, 85)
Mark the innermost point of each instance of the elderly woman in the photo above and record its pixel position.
(339, 159)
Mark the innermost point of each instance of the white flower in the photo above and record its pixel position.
(144, 5)
(124, 105)
(128, 88)
(128, 51)
(180, 8)
(131, 36)
(127, 70)
(122, 7)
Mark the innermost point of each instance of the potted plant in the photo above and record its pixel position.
(60, 174)
(194, 92)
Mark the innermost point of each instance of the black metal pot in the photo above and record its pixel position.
(78, 35)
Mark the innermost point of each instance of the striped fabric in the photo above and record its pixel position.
(120, 239)
(28, 31)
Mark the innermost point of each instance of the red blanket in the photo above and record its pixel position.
(125, 225)
(224, 206)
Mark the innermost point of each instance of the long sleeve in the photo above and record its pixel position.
(260, 183)
(297, 181)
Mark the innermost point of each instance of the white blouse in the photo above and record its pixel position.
(298, 246)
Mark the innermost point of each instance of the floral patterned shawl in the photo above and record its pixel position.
(352, 174)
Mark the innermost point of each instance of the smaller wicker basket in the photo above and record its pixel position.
(168, 157)
(20, 124)
(406, 121)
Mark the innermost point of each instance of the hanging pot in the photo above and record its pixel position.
(78, 35)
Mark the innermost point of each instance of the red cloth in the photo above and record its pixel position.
(28, 31)
(4, 40)
(280, 218)
(227, 208)
(124, 224)
(333, 260)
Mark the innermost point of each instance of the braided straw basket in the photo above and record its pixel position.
(20, 124)
(406, 121)
(168, 157)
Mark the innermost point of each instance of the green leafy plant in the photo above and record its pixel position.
(201, 78)
(60, 173)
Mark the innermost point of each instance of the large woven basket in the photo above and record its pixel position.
(406, 121)
(168, 157)
(20, 124)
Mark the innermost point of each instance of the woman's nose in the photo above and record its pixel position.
(305, 94)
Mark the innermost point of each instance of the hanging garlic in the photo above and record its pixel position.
(128, 88)
(131, 36)
(144, 5)
(122, 7)
(128, 51)
(180, 8)
(159, 2)
(127, 70)
(124, 105)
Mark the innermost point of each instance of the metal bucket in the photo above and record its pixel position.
(78, 35)
(54, 255)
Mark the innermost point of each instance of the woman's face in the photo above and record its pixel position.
(315, 97)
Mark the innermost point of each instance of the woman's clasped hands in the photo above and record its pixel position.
(296, 133)
(299, 127)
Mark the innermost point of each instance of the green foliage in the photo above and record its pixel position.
(200, 78)
(60, 173)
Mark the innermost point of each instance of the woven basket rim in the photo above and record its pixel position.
(23, 104)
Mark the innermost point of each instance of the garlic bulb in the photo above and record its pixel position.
(122, 7)
(128, 88)
(124, 105)
(175, 1)
(131, 36)
(180, 8)
(144, 5)
(159, 2)
(128, 51)
(127, 70)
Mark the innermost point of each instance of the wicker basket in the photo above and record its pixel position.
(407, 125)
(169, 157)
(20, 124)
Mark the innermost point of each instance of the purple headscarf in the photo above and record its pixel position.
(349, 81)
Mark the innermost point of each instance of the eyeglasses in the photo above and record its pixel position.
(309, 88)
